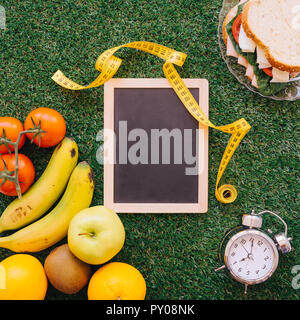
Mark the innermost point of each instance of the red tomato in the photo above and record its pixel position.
(51, 121)
(11, 127)
(268, 71)
(236, 27)
(26, 173)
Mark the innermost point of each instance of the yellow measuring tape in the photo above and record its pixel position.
(108, 65)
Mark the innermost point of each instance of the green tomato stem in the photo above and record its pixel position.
(14, 176)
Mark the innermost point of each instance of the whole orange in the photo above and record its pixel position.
(22, 278)
(117, 281)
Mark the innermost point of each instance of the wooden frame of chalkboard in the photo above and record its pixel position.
(146, 187)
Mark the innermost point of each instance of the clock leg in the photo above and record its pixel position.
(220, 268)
(246, 288)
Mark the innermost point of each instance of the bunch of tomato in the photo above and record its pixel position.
(53, 129)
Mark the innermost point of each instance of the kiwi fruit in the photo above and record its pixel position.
(65, 272)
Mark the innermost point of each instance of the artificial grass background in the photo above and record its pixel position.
(176, 254)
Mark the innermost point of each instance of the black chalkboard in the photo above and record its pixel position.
(152, 181)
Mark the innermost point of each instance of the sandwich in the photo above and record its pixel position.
(264, 36)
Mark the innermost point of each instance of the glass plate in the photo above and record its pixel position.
(291, 92)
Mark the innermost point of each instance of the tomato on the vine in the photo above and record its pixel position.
(26, 173)
(50, 121)
(10, 129)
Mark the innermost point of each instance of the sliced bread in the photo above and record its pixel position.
(230, 15)
(272, 24)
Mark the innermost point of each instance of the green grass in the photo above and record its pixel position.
(176, 254)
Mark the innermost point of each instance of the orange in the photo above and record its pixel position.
(117, 281)
(22, 278)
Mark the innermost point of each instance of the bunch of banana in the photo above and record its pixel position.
(54, 226)
(44, 193)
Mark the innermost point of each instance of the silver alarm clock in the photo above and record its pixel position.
(251, 255)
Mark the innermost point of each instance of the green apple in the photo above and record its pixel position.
(96, 235)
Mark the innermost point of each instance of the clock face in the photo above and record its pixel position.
(251, 256)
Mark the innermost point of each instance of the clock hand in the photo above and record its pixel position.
(251, 246)
(245, 249)
(247, 262)
(243, 259)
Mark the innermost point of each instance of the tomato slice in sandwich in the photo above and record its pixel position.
(236, 27)
(268, 71)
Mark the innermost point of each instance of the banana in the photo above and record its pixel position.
(43, 194)
(54, 226)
